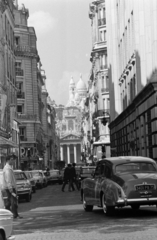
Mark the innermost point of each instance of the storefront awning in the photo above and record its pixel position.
(6, 143)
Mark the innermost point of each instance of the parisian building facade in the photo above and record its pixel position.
(9, 125)
(27, 124)
(97, 106)
(132, 64)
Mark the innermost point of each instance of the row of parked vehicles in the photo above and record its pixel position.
(29, 181)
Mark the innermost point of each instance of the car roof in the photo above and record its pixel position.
(126, 159)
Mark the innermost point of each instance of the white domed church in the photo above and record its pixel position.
(69, 122)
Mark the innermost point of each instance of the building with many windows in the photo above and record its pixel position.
(9, 125)
(132, 62)
(97, 105)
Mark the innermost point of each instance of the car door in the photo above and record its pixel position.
(100, 178)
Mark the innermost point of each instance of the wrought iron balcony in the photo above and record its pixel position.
(102, 67)
(103, 90)
(104, 113)
(19, 72)
(21, 95)
(25, 50)
(27, 116)
(23, 138)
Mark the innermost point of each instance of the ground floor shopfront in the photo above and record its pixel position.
(134, 131)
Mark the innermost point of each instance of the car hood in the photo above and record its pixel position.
(21, 182)
(136, 176)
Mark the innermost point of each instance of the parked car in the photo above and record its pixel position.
(86, 171)
(55, 176)
(29, 176)
(37, 175)
(24, 188)
(119, 182)
(45, 181)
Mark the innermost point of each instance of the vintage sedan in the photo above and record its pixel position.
(6, 219)
(119, 182)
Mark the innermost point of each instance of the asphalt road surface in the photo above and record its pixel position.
(53, 214)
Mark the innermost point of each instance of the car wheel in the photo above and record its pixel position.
(108, 210)
(135, 207)
(87, 208)
(1, 237)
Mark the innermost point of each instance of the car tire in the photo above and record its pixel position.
(1, 237)
(87, 208)
(135, 207)
(108, 210)
(28, 197)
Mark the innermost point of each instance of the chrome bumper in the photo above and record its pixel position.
(11, 238)
(126, 201)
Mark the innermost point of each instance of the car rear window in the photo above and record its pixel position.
(136, 166)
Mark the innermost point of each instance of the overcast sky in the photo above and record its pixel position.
(63, 31)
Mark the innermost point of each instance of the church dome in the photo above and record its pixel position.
(81, 85)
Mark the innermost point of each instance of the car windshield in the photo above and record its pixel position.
(28, 175)
(136, 167)
(20, 176)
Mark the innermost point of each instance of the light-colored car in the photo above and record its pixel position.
(119, 182)
(24, 188)
(29, 176)
(38, 176)
(6, 219)
(45, 181)
(55, 176)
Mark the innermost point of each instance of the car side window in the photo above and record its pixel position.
(107, 172)
(98, 171)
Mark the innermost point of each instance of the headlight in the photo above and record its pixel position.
(27, 185)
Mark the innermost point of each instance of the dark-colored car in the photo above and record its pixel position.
(119, 182)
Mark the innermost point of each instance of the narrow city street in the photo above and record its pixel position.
(53, 214)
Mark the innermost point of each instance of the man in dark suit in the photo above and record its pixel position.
(67, 177)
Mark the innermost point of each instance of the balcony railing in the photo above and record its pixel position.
(102, 113)
(101, 21)
(102, 67)
(23, 138)
(103, 90)
(25, 49)
(27, 116)
(19, 72)
(21, 95)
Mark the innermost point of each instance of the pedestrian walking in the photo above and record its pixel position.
(9, 189)
(74, 177)
(67, 178)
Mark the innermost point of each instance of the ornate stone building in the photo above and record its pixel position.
(69, 120)
(9, 140)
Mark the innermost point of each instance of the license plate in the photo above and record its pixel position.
(145, 187)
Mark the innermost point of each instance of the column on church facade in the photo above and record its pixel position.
(68, 153)
(61, 149)
(75, 154)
